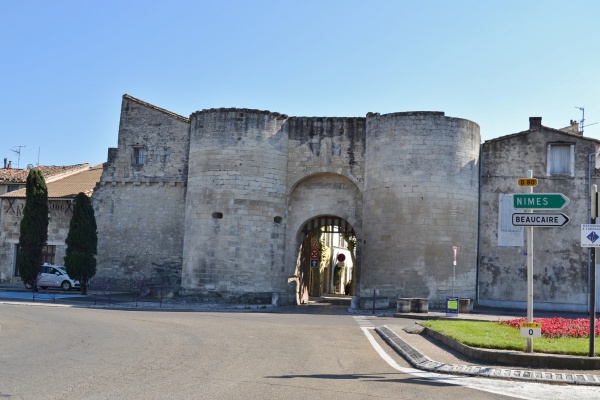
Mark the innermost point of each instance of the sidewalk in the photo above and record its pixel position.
(430, 351)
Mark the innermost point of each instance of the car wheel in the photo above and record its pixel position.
(66, 286)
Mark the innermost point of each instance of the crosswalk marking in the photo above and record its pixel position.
(363, 322)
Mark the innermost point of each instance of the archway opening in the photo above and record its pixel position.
(327, 258)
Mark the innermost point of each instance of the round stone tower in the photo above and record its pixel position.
(235, 204)
(420, 200)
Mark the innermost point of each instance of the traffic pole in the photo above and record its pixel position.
(530, 273)
(593, 216)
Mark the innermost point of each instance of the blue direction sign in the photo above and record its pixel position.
(540, 201)
(314, 263)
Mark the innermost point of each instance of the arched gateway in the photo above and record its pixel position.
(222, 200)
(327, 259)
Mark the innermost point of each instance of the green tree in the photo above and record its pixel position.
(34, 227)
(82, 242)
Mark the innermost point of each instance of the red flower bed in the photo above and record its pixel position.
(559, 327)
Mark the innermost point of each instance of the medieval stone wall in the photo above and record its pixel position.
(420, 200)
(139, 207)
(325, 177)
(236, 203)
(228, 193)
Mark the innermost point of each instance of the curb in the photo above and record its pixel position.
(419, 361)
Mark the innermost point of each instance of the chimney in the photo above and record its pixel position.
(9, 166)
(535, 123)
(4, 162)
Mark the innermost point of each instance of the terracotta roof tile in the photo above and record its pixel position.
(68, 186)
(49, 171)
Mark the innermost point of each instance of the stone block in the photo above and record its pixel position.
(465, 306)
(403, 305)
(419, 305)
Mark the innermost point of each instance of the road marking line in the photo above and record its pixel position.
(482, 384)
(363, 322)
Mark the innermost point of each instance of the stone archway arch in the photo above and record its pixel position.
(312, 172)
(315, 196)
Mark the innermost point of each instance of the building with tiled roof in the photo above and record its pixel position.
(67, 186)
(12, 179)
(64, 183)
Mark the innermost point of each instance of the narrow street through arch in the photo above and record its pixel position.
(327, 263)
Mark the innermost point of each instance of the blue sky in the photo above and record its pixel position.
(64, 65)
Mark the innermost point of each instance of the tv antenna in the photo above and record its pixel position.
(17, 150)
(582, 122)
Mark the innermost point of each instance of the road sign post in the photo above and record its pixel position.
(530, 202)
(590, 237)
(455, 249)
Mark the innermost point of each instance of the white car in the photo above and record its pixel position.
(55, 276)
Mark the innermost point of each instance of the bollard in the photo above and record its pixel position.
(374, 293)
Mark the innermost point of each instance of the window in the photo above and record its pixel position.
(561, 159)
(12, 188)
(139, 155)
(49, 254)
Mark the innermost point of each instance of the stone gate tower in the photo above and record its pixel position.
(420, 200)
(235, 202)
(217, 203)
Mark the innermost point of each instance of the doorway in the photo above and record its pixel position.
(327, 260)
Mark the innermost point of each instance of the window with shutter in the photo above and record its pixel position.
(561, 159)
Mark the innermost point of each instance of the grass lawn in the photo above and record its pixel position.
(493, 335)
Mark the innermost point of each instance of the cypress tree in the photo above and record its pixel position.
(82, 242)
(34, 227)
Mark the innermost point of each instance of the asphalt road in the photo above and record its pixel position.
(77, 353)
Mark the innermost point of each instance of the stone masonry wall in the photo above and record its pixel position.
(420, 200)
(140, 207)
(11, 215)
(140, 232)
(560, 263)
(325, 176)
(236, 203)
(235, 186)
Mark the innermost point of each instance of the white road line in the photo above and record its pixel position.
(363, 322)
(520, 390)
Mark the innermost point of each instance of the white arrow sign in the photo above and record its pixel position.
(539, 219)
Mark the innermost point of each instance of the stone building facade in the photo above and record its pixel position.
(563, 161)
(219, 203)
(63, 183)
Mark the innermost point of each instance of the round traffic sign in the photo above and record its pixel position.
(314, 254)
